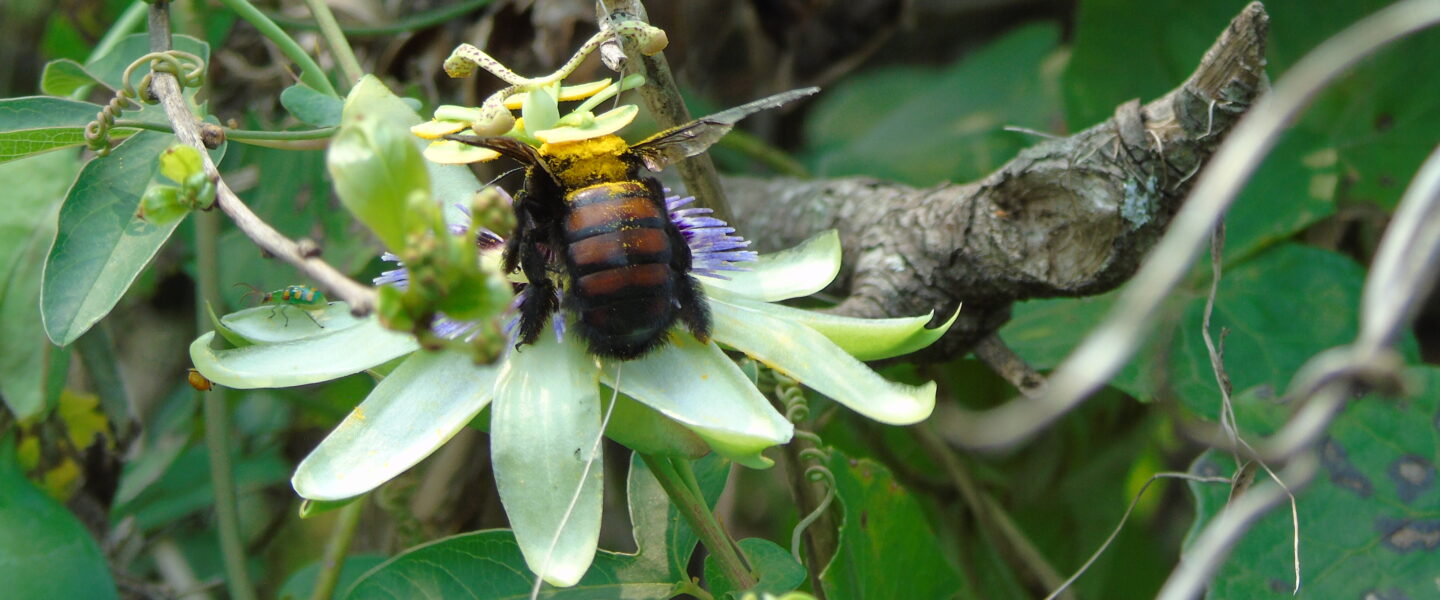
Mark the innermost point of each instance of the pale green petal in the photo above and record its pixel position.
(543, 427)
(792, 273)
(811, 358)
(273, 323)
(865, 339)
(419, 407)
(698, 386)
(309, 360)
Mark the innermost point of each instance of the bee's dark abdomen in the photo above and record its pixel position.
(618, 253)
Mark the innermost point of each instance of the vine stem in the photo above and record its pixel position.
(330, 29)
(336, 548)
(310, 72)
(662, 98)
(692, 505)
(360, 297)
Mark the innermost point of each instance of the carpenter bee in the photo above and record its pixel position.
(585, 208)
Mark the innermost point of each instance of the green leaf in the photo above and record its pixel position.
(185, 488)
(663, 538)
(45, 552)
(776, 567)
(64, 77)
(299, 585)
(376, 165)
(102, 246)
(887, 550)
(1377, 119)
(313, 359)
(110, 68)
(1280, 308)
(1293, 189)
(166, 433)
(27, 226)
(1369, 523)
(36, 124)
(487, 565)
(947, 125)
(311, 106)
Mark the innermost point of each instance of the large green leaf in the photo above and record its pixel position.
(488, 564)
(27, 226)
(36, 124)
(777, 570)
(102, 245)
(1380, 119)
(110, 68)
(1280, 308)
(887, 549)
(300, 584)
(1369, 523)
(63, 77)
(45, 552)
(945, 125)
(186, 487)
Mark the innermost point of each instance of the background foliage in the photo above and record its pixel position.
(101, 454)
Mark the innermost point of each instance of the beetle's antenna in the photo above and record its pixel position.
(584, 474)
(259, 293)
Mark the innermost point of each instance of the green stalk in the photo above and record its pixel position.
(415, 21)
(345, 525)
(217, 417)
(310, 73)
(330, 30)
(239, 135)
(128, 22)
(697, 513)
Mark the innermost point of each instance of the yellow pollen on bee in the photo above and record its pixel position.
(588, 161)
(358, 413)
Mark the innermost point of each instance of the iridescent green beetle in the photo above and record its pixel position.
(302, 296)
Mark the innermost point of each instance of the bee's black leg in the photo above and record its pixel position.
(312, 319)
(694, 308)
(540, 298)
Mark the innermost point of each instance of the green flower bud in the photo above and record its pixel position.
(161, 204)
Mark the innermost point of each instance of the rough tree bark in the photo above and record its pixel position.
(1067, 217)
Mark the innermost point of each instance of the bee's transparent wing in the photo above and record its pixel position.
(677, 143)
(510, 147)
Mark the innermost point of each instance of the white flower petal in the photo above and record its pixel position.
(274, 323)
(815, 361)
(791, 273)
(864, 339)
(419, 407)
(698, 386)
(299, 362)
(543, 426)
